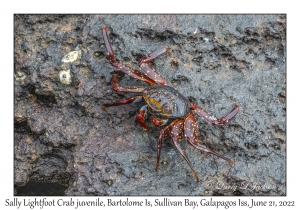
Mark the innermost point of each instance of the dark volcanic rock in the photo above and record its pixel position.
(62, 135)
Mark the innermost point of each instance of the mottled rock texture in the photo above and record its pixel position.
(62, 135)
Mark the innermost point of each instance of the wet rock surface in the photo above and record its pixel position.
(61, 134)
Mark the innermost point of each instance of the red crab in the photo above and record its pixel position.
(164, 103)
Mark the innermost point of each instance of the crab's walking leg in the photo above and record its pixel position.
(176, 135)
(149, 71)
(211, 119)
(191, 135)
(127, 70)
(176, 131)
(153, 55)
(123, 101)
(118, 88)
(162, 135)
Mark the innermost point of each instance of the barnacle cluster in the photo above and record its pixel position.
(65, 76)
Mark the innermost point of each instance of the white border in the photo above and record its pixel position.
(154, 6)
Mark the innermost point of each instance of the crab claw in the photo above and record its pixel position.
(140, 117)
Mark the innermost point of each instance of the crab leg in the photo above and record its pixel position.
(140, 117)
(149, 71)
(153, 55)
(211, 119)
(162, 135)
(191, 135)
(125, 69)
(176, 135)
(118, 88)
(123, 101)
(176, 131)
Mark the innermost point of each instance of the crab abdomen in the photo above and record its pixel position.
(166, 102)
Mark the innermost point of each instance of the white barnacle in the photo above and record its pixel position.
(65, 77)
(70, 57)
(73, 55)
